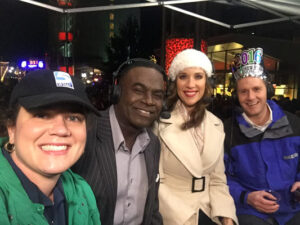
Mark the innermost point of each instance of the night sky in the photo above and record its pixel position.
(23, 30)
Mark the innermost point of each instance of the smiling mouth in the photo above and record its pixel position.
(252, 104)
(144, 112)
(54, 148)
(190, 93)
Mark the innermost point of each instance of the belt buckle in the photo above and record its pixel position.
(194, 180)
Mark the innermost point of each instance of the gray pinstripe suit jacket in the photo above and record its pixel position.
(98, 167)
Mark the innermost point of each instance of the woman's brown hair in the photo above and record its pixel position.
(197, 114)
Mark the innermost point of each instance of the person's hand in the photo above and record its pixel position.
(263, 201)
(295, 186)
(227, 221)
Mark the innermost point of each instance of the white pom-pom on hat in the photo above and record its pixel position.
(189, 58)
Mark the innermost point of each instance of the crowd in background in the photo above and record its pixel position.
(221, 105)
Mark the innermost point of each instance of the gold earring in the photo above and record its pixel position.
(9, 147)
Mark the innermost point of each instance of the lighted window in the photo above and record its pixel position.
(68, 69)
(66, 50)
(63, 68)
(218, 60)
(61, 2)
(111, 26)
(111, 34)
(64, 3)
(111, 16)
(62, 36)
(70, 36)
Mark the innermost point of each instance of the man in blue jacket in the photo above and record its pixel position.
(262, 150)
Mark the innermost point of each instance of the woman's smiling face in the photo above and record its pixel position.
(47, 141)
(190, 84)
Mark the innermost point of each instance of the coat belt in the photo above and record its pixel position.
(192, 184)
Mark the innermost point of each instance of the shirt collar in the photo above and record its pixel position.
(117, 134)
(260, 127)
(142, 139)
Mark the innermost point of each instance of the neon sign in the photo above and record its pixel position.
(32, 64)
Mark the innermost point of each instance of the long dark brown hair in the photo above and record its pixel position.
(197, 114)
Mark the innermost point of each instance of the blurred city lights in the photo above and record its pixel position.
(23, 64)
(32, 64)
(41, 64)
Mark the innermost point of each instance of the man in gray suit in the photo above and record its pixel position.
(122, 154)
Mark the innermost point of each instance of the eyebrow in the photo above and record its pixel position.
(198, 72)
(145, 87)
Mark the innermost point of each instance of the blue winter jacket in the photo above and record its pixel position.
(268, 160)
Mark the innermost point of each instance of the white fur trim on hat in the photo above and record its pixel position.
(189, 58)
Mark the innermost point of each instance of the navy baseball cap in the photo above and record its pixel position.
(46, 87)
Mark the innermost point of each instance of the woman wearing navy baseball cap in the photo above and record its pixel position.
(47, 128)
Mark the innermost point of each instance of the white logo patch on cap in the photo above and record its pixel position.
(63, 79)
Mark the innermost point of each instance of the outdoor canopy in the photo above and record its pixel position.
(284, 10)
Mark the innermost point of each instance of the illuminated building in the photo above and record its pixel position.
(280, 61)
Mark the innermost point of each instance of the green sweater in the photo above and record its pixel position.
(17, 208)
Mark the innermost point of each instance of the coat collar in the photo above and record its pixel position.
(182, 144)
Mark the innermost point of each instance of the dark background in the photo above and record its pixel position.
(23, 30)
